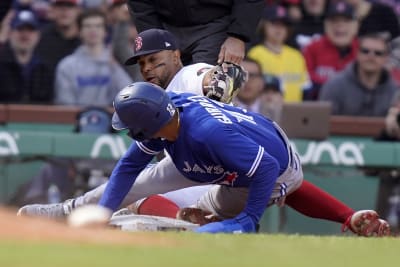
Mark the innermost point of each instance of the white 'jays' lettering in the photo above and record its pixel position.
(212, 169)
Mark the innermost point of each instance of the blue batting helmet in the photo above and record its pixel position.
(143, 108)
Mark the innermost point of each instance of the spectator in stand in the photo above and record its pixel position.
(39, 7)
(364, 88)
(12, 8)
(24, 77)
(335, 50)
(261, 93)
(294, 10)
(279, 59)
(60, 38)
(123, 36)
(90, 75)
(375, 17)
(272, 98)
(311, 25)
(207, 31)
(249, 95)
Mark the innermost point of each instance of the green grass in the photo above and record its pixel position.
(191, 250)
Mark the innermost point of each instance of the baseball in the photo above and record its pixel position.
(89, 215)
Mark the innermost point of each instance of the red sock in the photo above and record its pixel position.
(159, 206)
(316, 203)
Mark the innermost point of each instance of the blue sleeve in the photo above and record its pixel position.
(125, 172)
(240, 153)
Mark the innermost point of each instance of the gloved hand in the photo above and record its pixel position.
(243, 223)
(226, 81)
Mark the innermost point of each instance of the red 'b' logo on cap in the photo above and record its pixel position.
(138, 43)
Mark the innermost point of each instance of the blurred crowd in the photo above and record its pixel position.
(60, 52)
(72, 52)
(347, 52)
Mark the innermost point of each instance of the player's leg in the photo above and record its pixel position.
(316, 203)
(156, 179)
(157, 205)
(223, 201)
(168, 204)
(302, 196)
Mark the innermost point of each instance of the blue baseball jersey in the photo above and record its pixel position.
(217, 143)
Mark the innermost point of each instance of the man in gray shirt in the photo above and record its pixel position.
(90, 76)
(364, 88)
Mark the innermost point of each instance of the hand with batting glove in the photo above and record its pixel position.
(243, 223)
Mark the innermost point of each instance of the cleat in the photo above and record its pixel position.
(196, 216)
(384, 228)
(51, 211)
(366, 223)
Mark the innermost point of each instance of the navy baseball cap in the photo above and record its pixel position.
(152, 41)
(342, 9)
(276, 13)
(25, 18)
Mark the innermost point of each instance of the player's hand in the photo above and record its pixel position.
(243, 223)
(225, 81)
(5, 26)
(232, 50)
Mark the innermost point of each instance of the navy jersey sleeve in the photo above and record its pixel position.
(125, 172)
(240, 153)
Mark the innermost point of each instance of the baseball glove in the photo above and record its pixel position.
(226, 80)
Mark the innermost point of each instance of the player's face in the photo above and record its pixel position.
(159, 68)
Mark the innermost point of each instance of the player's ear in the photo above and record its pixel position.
(176, 56)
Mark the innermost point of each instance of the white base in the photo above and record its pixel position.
(146, 223)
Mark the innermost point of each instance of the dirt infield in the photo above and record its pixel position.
(37, 229)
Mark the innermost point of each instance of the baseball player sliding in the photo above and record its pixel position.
(158, 57)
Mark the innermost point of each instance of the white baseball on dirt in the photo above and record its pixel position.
(89, 215)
